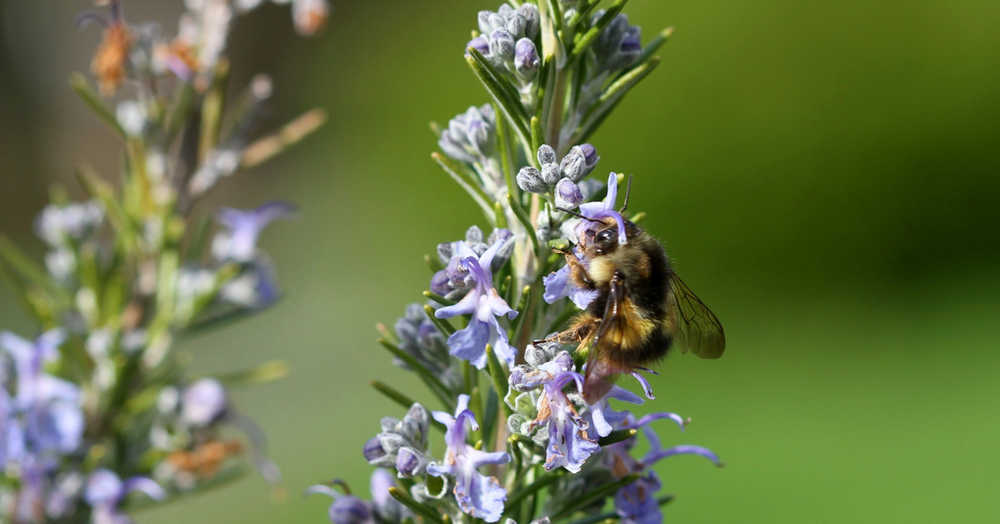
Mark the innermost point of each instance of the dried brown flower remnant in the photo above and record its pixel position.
(206, 459)
(185, 55)
(109, 60)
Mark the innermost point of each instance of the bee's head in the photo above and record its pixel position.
(605, 236)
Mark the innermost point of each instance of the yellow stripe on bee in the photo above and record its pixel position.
(630, 332)
(601, 269)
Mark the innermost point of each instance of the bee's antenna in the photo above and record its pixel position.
(628, 191)
(577, 215)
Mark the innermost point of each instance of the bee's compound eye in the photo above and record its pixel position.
(606, 239)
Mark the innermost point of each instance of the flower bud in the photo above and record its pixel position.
(546, 155)
(480, 44)
(350, 510)
(502, 45)
(515, 24)
(409, 462)
(530, 180)
(589, 154)
(484, 22)
(478, 135)
(573, 165)
(526, 60)
(530, 14)
(373, 450)
(568, 194)
(550, 174)
(495, 21)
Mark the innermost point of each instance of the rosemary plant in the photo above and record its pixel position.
(520, 441)
(99, 404)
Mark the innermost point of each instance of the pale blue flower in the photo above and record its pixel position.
(484, 303)
(45, 415)
(569, 444)
(203, 402)
(476, 494)
(637, 502)
(238, 242)
(105, 492)
(598, 211)
(558, 285)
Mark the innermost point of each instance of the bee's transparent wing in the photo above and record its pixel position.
(695, 327)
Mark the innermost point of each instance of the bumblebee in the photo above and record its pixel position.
(641, 309)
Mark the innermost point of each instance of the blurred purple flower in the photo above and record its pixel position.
(105, 492)
(476, 494)
(239, 241)
(485, 305)
(51, 420)
(203, 402)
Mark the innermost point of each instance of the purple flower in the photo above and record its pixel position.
(636, 502)
(105, 492)
(239, 242)
(11, 436)
(558, 285)
(569, 444)
(604, 209)
(485, 305)
(476, 494)
(51, 419)
(203, 402)
(348, 509)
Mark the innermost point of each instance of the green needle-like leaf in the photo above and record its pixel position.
(421, 509)
(81, 87)
(617, 436)
(464, 181)
(499, 377)
(515, 500)
(594, 495)
(430, 379)
(261, 374)
(438, 298)
(584, 42)
(522, 217)
(443, 325)
(654, 45)
(509, 104)
(611, 97)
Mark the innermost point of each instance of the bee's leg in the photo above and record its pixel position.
(576, 333)
(577, 273)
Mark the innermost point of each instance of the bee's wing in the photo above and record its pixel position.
(695, 327)
(601, 371)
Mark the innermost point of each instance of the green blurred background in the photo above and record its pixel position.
(825, 175)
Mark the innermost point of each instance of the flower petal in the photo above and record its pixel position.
(656, 455)
(469, 343)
